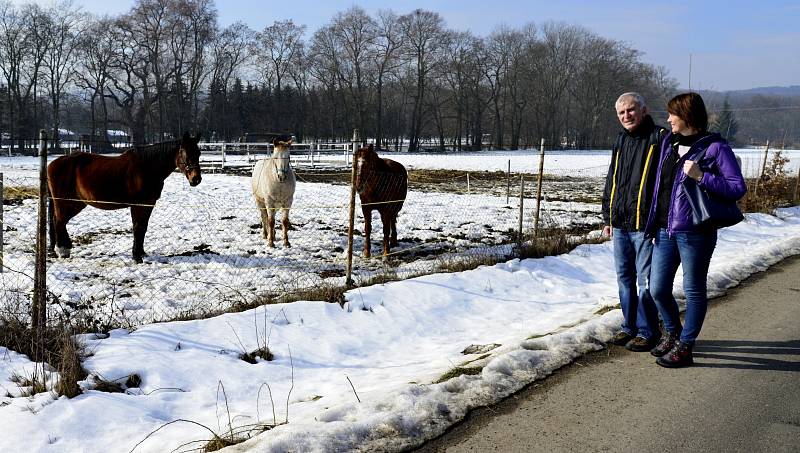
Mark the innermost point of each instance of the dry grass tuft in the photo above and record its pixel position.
(14, 195)
(774, 189)
(55, 346)
(252, 357)
(459, 371)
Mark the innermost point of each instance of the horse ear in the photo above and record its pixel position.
(197, 137)
(371, 147)
(288, 143)
(186, 136)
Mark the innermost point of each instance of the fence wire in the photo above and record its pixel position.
(206, 253)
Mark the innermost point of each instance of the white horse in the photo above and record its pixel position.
(273, 188)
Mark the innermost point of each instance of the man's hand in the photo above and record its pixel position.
(607, 232)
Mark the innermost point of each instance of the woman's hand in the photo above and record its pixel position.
(692, 170)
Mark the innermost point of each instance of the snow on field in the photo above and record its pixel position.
(207, 240)
(391, 341)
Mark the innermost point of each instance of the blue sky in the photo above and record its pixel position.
(734, 44)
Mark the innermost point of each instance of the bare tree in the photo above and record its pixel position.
(229, 51)
(275, 47)
(95, 54)
(387, 47)
(23, 46)
(423, 32)
(66, 23)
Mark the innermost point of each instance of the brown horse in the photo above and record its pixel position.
(382, 184)
(133, 180)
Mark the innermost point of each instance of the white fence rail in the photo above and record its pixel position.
(218, 155)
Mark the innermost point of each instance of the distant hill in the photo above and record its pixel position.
(789, 91)
(793, 90)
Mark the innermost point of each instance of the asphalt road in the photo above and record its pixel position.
(742, 394)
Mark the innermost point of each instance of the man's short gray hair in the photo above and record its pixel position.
(637, 98)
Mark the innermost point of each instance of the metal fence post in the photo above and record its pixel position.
(539, 191)
(508, 180)
(39, 303)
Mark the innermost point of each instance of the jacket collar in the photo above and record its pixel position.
(644, 130)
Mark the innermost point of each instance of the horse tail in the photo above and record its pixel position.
(51, 225)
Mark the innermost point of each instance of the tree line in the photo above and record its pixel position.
(406, 80)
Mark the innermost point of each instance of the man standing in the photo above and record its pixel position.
(626, 203)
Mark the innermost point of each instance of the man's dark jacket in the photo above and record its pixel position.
(631, 176)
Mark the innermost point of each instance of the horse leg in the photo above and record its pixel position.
(63, 212)
(271, 227)
(285, 225)
(393, 225)
(367, 229)
(386, 221)
(140, 216)
(262, 211)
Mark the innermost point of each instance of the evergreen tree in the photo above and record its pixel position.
(726, 123)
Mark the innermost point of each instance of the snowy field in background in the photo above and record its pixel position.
(391, 341)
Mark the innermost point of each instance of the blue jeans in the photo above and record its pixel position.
(693, 251)
(632, 252)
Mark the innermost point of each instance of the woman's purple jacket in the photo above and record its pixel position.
(722, 177)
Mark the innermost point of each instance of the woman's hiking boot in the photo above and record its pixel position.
(665, 345)
(679, 356)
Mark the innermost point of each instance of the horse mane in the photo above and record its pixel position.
(160, 153)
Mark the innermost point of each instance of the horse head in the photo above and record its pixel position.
(188, 160)
(364, 158)
(280, 159)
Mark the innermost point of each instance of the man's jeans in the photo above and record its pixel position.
(632, 253)
(693, 251)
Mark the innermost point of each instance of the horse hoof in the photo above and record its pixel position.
(63, 252)
(138, 259)
(286, 244)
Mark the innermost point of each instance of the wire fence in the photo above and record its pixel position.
(206, 253)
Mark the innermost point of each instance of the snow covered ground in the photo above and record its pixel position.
(392, 342)
(207, 240)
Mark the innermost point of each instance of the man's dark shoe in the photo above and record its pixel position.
(621, 338)
(641, 344)
(677, 357)
(665, 345)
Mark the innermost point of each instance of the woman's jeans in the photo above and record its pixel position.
(632, 253)
(693, 251)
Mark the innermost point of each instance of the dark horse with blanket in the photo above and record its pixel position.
(132, 180)
(382, 185)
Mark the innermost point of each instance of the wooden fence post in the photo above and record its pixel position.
(763, 169)
(39, 303)
(539, 191)
(2, 224)
(521, 202)
(352, 216)
(797, 187)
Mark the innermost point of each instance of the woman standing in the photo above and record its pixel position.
(676, 239)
